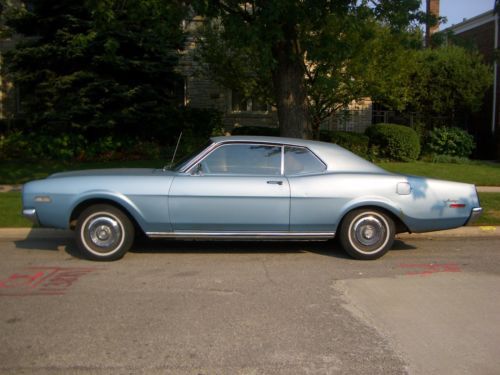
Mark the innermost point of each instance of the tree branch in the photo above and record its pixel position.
(236, 11)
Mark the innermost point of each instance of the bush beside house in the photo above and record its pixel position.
(451, 142)
(196, 126)
(393, 142)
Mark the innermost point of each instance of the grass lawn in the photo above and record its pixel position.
(478, 173)
(491, 209)
(10, 207)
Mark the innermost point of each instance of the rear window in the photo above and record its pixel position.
(299, 160)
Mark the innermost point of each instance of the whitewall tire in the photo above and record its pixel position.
(367, 233)
(103, 232)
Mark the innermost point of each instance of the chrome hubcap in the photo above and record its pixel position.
(104, 232)
(369, 230)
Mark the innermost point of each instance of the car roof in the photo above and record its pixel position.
(265, 139)
(337, 158)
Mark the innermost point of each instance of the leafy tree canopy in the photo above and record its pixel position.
(447, 80)
(305, 56)
(97, 66)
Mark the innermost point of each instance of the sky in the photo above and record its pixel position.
(456, 10)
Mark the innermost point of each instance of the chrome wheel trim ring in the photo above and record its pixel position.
(369, 229)
(102, 233)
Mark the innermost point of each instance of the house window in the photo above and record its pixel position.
(242, 103)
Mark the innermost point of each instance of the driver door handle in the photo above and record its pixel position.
(275, 182)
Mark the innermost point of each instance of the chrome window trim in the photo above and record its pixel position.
(199, 157)
(313, 153)
(282, 160)
(202, 155)
(207, 154)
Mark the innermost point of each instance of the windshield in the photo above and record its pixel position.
(186, 159)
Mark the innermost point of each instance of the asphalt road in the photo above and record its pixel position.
(427, 307)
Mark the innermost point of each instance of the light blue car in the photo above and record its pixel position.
(245, 187)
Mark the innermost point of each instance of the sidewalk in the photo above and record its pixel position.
(9, 188)
(19, 234)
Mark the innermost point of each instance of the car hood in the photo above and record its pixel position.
(113, 172)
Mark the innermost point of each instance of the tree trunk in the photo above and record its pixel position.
(290, 91)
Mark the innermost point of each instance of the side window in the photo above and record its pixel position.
(243, 159)
(299, 160)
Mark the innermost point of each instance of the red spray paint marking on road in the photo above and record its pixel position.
(430, 268)
(38, 281)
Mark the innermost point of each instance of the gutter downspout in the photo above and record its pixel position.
(495, 74)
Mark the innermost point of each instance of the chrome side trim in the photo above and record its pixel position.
(30, 214)
(244, 235)
(476, 212)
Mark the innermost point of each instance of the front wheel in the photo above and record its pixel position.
(367, 234)
(104, 232)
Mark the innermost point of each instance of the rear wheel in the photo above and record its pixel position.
(367, 233)
(104, 232)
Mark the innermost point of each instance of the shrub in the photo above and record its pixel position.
(14, 145)
(31, 146)
(394, 142)
(450, 141)
(20, 146)
(354, 142)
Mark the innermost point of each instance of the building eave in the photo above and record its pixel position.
(472, 23)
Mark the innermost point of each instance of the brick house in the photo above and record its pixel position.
(482, 32)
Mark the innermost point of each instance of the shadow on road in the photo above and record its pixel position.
(329, 248)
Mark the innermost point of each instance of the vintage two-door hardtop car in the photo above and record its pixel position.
(245, 187)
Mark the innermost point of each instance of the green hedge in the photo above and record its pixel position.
(354, 142)
(153, 142)
(451, 142)
(393, 142)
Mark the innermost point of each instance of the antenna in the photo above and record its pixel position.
(175, 151)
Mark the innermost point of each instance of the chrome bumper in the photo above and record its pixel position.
(30, 214)
(476, 212)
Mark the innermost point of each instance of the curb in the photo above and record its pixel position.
(20, 234)
(462, 232)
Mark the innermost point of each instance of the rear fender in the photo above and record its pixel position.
(373, 202)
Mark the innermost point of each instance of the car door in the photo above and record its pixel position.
(312, 207)
(238, 187)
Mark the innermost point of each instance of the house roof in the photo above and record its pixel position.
(472, 23)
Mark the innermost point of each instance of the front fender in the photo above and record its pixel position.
(112, 196)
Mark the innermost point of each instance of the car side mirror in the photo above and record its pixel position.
(197, 170)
